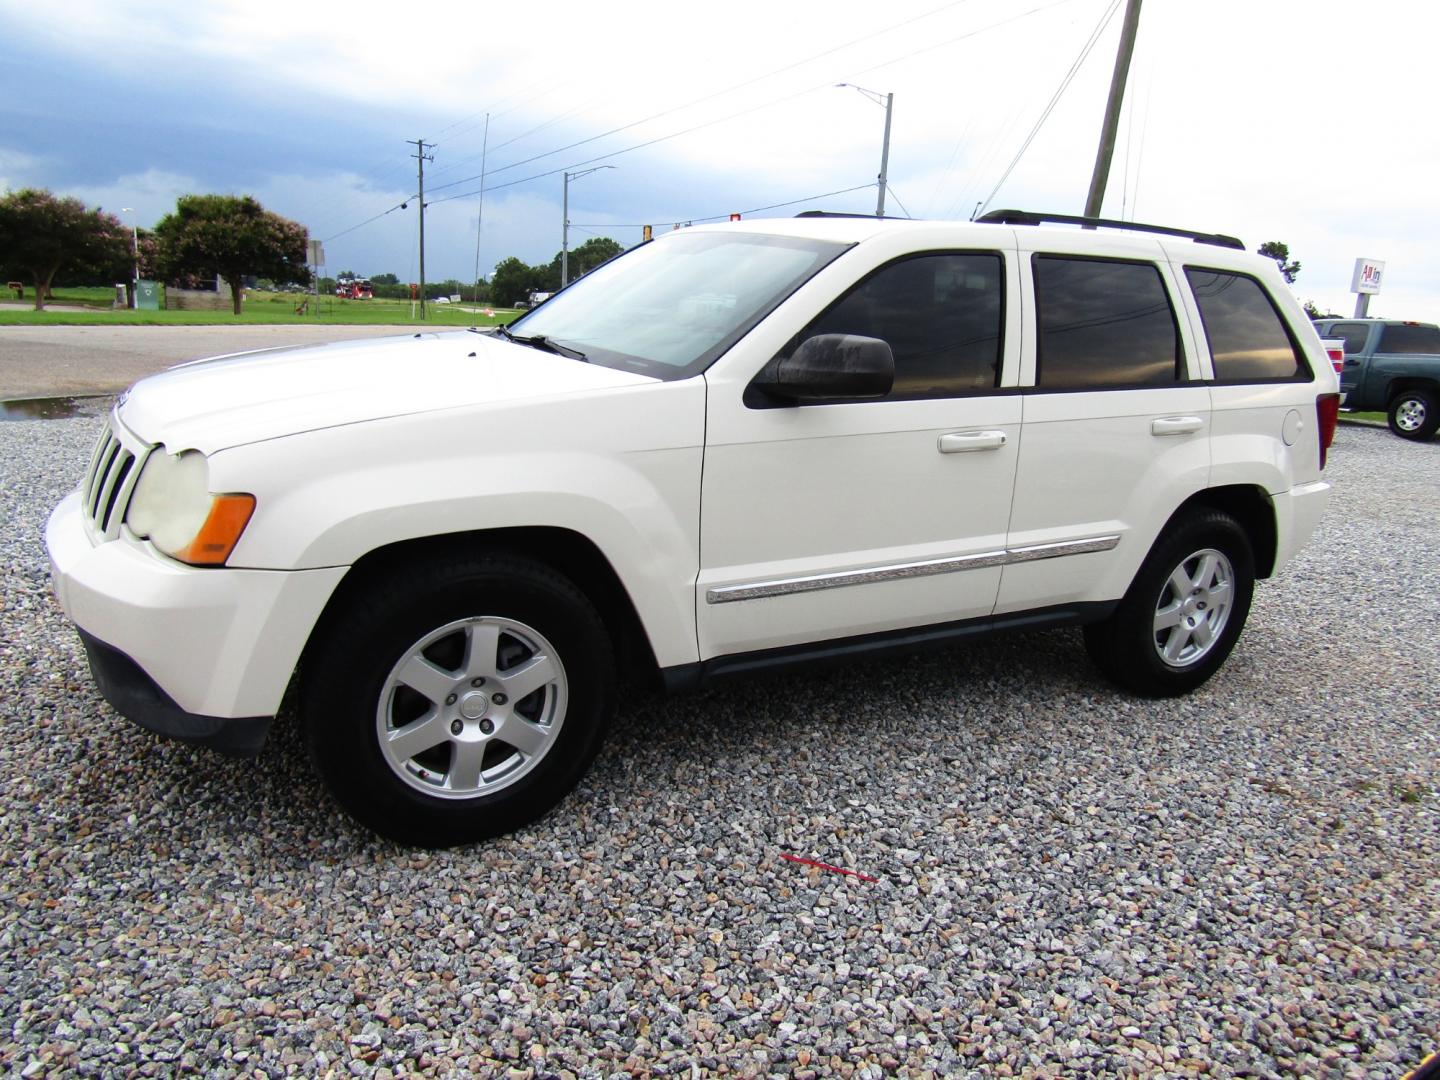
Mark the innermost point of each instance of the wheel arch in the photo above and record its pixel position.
(568, 552)
(1252, 508)
(1400, 383)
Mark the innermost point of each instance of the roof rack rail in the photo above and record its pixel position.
(831, 213)
(1026, 217)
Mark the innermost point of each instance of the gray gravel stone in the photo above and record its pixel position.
(1071, 882)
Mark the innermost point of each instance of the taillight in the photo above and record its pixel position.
(1327, 412)
(1337, 358)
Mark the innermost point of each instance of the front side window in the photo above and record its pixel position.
(941, 315)
(670, 308)
(1103, 324)
(1248, 339)
(1409, 339)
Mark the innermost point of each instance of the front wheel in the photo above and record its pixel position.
(1414, 414)
(1184, 611)
(458, 699)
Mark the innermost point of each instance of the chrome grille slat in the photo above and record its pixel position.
(110, 480)
(98, 488)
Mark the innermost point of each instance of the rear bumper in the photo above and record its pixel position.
(139, 699)
(1297, 513)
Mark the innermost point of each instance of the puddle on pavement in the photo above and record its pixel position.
(55, 408)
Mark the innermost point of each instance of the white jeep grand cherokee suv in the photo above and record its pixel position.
(736, 447)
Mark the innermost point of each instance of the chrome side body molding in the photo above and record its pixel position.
(727, 594)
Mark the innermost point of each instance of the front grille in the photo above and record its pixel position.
(109, 482)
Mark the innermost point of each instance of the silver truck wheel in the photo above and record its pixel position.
(471, 707)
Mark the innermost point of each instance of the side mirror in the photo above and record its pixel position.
(830, 367)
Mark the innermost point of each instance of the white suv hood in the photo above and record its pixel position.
(209, 405)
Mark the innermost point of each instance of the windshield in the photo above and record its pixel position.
(669, 308)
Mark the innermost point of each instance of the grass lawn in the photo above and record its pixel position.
(1366, 418)
(260, 307)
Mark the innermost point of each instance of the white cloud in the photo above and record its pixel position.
(1270, 121)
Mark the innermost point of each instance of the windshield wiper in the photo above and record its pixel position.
(541, 342)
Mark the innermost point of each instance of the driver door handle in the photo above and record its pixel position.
(965, 442)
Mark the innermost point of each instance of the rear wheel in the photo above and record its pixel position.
(1414, 414)
(1184, 611)
(459, 699)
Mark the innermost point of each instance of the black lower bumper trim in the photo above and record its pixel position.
(137, 698)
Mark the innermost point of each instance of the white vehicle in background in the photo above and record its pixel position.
(735, 448)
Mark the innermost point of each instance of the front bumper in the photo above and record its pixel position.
(140, 700)
(181, 650)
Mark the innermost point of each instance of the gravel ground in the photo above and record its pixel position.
(1069, 881)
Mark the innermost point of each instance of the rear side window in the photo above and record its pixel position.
(1409, 339)
(1103, 324)
(1248, 340)
(1353, 333)
(940, 315)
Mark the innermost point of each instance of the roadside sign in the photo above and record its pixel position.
(1367, 276)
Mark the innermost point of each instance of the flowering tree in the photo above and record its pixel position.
(233, 236)
(42, 236)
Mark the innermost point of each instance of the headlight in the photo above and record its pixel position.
(173, 507)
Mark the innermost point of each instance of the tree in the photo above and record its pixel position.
(1316, 314)
(42, 236)
(1280, 252)
(234, 237)
(384, 279)
(586, 257)
(514, 281)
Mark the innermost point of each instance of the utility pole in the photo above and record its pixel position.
(565, 220)
(885, 155)
(420, 158)
(889, 103)
(1112, 110)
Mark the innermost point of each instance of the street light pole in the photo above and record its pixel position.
(889, 103)
(135, 250)
(565, 220)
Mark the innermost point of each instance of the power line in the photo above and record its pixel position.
(718, 93)
(731, 116)
(726, 214)
(367, 221)
(1095, 34)
(890, 188)
(743, 112)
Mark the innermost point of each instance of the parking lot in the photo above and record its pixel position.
(1068, 881)
(58, 360)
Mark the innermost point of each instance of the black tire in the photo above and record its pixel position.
(447, 619)
(1129, 647)
(1414, 414)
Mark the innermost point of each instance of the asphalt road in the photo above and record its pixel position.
(44, 361)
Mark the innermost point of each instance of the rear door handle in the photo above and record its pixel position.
(965, 442)
(1176, 425)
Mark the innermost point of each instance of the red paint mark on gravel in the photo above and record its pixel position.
(827, 866)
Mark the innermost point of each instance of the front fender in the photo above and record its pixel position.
(621, 469)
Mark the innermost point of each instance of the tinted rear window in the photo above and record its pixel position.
(1409, 339)
(1103, 324)
(1248, 339)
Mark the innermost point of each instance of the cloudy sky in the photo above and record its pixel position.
(1307, 121)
